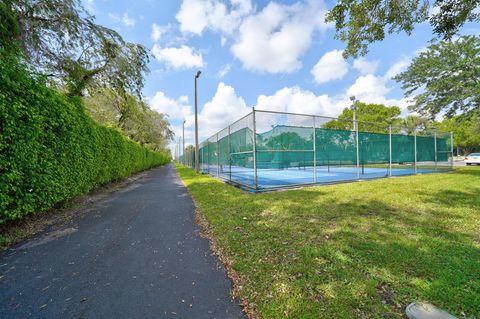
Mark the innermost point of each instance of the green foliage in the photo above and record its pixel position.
(3, 240)
(132, 116)
(415, 123)
(61, 38)
(9, 29)
(361, 22)
(446, 77)
(452, 14)
(466, 131)
(51, 150)
(375, 118)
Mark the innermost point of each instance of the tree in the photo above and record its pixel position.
(287, 141)
(446, 78)
(189, 149)
(466, 131)
(415, 123)
(8, 27)
(132, 116)
(372, 118)
(361, 22)
(59, 38)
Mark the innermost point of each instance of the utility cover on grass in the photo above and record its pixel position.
(426, 311)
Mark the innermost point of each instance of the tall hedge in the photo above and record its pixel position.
(51, 150)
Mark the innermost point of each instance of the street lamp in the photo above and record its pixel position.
(196, 123)
(183, 142)
(354, 109)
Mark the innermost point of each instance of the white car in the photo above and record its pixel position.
(473, 158)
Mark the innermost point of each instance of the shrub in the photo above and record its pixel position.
(51, 150)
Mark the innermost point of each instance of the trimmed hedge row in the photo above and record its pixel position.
(51, 150)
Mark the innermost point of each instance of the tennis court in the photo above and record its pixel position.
(267, 150)
(293, 176)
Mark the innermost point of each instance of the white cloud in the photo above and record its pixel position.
(114, 17)
(125, 19)
(373, 89)
(183, 98)
(398, 67)
(197, 15)
(365, 67)
(274, 39)
(270, 40)
(223, 71)
(178, 58)
(158, 31)
(175, 109)
(331, 66)
(295, 100)
(367, 88)
(128, 21)
(224, 108)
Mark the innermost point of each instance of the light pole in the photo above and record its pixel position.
(183, 142)
(196, 123)
(179, 146)
(176, 152)
(354, 109)
(355, 127)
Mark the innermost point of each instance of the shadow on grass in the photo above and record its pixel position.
(457, 198)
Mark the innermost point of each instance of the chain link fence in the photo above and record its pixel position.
(268, 150)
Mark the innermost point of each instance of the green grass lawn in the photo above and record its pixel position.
(358, 250)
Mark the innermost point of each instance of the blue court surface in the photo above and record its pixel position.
(278, 178)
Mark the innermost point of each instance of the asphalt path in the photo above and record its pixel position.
(135, 254)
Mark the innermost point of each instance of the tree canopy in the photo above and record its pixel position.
(415, 123)
(361, 22)
(466, 131)
(373, 118)
(130, 115)
(445, 78)
(60, 38)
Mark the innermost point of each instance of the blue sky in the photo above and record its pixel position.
(277, 55)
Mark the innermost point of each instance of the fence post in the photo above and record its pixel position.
(314, 152)
(435, 141)
(208, 156)
(218, 157)
(229, 156)
(451, 150)
(358, 149)
(255, 184)
(390, 150)
(415, 150)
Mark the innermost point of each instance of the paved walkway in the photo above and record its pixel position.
(135, 254)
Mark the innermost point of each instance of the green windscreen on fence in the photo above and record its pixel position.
(284, 147)
(296, 149)
(335, 147)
